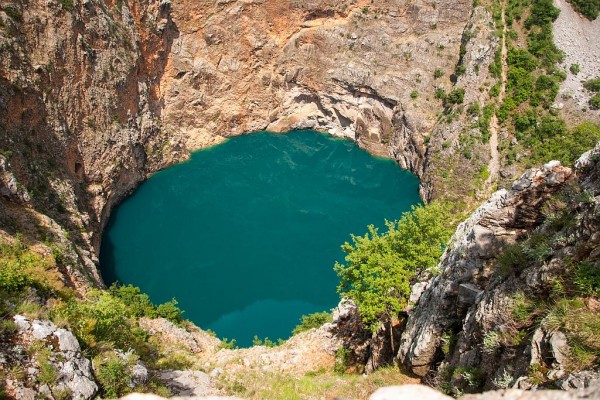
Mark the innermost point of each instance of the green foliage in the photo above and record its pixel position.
(380, 267)
(512, 258)
(15, 264)
(414, 94)
(440, 93)
(228, 344)
(522, 308)
(139, 303)
(437, 73)
(520, 58)
(170, 311)
(574, 68)
(113, 374)
(491, 342)
(587, 279)
(67, 5)
(13, 12)
(342, 359)
(592, 85)
(7, 326)
(595, 102)
(552, 141)
(543, 13)
(256, 341)
(457, 96)
(311, 321)
(474, 109)
(588, 8)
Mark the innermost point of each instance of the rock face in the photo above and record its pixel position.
(456, 297)
(466, 310)
(96, 96)
(54, 352)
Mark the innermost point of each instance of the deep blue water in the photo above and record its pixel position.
(245, 234)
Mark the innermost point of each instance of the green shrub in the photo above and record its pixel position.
(256, 341)
(380, 267)
(457, 96)
(440, 93)
(473, 109)
(67, 5)
(552, 141)
(113, 375)
(437, 73)
(592, 85)
(543, 13)
(588, 8)
(574, 68)
(595, 102)
(587, 279)
(228, 344)
(522, 308)
(13, 13)
(491, 342)
(7, 326)
(342, 359)
(512, 258)
(311, 321)
(139, 303)
(414, 94)
(170, 311)
(519, 58)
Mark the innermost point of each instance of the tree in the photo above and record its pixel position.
(380, 268)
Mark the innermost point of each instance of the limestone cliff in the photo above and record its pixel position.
(490, 311)
(95, 96)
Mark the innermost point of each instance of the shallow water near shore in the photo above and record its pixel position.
(245, 234)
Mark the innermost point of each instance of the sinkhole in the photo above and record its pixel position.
(245, 234)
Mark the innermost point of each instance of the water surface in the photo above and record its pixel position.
(245, 234)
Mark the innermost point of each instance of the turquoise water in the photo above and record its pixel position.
(245, 234)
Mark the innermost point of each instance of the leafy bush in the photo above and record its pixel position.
(512, 258)
(491, 342)
(380, 267)
(592, 85)
(170, 311)
(587, 279)
(113, 374)
(595, 102)
(139, 303)
(437, 73)
(342, 358)
(543, 13)
(588, 8)
(554, 142)
(457, 96)
(311, 321)
(574, 68)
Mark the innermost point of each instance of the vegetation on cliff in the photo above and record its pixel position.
(381, 267)
(104, 321)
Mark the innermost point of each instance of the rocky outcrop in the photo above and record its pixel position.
(457, 298)
(50, 360)
(426, 393)
(94, 97)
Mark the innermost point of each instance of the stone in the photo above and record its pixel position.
(419, 392)
(468, 293)
(67, 341)
(140, 374)
(42, 329)
(559, 347)
(21, 322)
